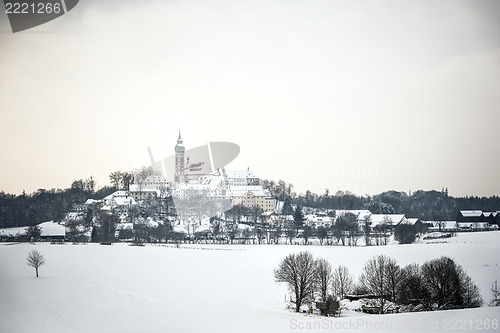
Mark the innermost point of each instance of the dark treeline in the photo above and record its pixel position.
(45, 205)
(425, 205)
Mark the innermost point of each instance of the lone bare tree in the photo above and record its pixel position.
(35, 259)
(298, 271)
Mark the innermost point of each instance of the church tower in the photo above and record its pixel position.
(179, 161)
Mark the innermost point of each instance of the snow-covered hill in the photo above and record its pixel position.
(211, 288)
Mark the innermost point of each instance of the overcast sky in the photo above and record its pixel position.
(364, 96)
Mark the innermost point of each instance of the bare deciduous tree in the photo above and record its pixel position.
(298, 272)
(442, 279)
(346, 227)
(35, 259)
(375, 279)
(495, 293)
(470, 292)
(115, 178)
(413, 290)
(322, 234)
(290, 234)
(342, 282)
(324, 277)
(394, 276)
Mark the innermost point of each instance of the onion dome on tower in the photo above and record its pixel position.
(179, 147)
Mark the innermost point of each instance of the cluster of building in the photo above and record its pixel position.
(467, 220)
(192, 178)
(363, 218)
(195, 177)
(241, 187)
(49, 231)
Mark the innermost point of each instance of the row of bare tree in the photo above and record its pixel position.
(438, 284)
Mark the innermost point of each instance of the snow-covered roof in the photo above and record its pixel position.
(125, 226)
(91, 201)
(124, 201)
(13, 231)
(115, 194)
(51, 228)
(73, 215)
(269, 213)
(473, 225)
(214, 180)
(445, 225)
(361, 214)
(392, 219)
(240, 174)
(318, 218)
(410, 221)
(471, 213)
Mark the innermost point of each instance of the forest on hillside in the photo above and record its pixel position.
(47, 205)
(425, 205)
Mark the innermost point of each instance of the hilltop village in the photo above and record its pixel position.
(201, 202)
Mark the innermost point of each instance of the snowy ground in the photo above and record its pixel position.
(212, 288)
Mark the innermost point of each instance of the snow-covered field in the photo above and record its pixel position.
(212, 288)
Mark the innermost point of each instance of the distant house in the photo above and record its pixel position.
(318, 220)
(420, 227)
(471, 216)
(474, 226)
(362, 216)
(52, 231)
(252, 196)
(476, 220)
(13, 234)
(492, 217)
(444, 226)
(156, 183)
(138, 192)
(119, 201)
(411, 221)
(389, 220)
(91, 202)
(269, 215)
(151, 188)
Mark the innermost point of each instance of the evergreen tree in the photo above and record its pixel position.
(34, 233)
(405, 233)
(287, 207)
(298, 218)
